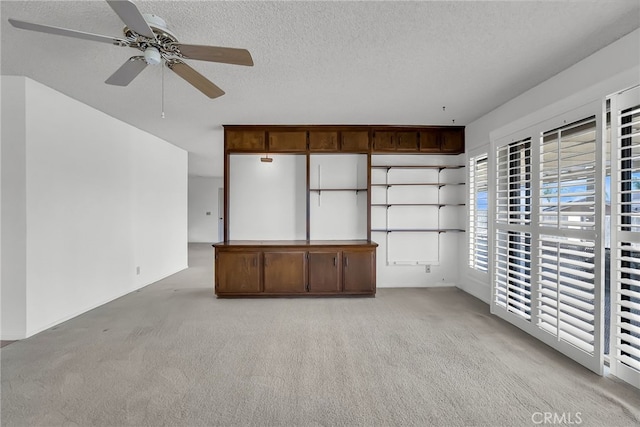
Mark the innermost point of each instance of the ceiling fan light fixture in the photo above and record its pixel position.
(152, 56)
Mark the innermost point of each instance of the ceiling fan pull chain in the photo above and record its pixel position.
(162, 115)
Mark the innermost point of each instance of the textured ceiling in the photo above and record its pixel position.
(315, 62)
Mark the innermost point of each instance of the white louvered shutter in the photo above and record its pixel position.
(567, 242)
(478, 213)
(512, 244)
(625, 243)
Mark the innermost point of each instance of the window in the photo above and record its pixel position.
(547, 250)
(567, 217)
(512, 278)
(478, 213)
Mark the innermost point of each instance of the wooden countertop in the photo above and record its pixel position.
(297, 243)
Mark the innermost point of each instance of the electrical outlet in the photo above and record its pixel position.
(427, 269)
(208, 213)
(138, 270)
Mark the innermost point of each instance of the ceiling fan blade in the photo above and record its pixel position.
(196, 79)
(225, 55)
(131, 17)
(128, 71)
(66, 32)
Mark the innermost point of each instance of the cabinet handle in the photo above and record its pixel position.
(335, 262)
(254, 262)
(346, 261)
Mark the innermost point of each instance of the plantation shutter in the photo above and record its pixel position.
(547, 233)
(478, 213)
(625, 236)
(512, 245)
(567, 252)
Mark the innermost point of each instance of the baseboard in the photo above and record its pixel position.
(12, 336)
(41, 328)
(482, 291)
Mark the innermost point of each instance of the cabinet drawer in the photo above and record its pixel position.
(355, 141)
(287, 141)
(245, 140)
(323, 141)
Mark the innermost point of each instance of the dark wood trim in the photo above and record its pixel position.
(225, 220)
(308, 195)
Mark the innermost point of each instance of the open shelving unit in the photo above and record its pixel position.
(407, 204)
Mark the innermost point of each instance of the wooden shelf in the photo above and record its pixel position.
(337, 189)
(424, 184)
(417, 230)
(439, 167)
(440, 205)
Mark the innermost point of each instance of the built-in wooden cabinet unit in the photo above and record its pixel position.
(296, 268)
(319, 177)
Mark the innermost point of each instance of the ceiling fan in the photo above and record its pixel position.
(149, 34)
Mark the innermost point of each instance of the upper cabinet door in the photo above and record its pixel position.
(430, 141)
(452, 141)
(407, 141)
(245, 140)
(288, 141)
(384, 141)
(323, 141)
(355, 141)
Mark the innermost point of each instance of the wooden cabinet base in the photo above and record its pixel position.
(295, 268)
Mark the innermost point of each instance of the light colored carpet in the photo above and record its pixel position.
(172, 354)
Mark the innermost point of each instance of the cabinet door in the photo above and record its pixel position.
(452, 141)
(285, 272)
(384, 141)
(288, 141)
(324, 272)
(355, 141)
(237, 272)
(430, 141)
(407, 141)
(245, 140)
(323, 141)
(359, 271)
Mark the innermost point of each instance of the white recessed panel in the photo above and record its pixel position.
(405, 248)
(338, 171)
(338, 215)
(267, 201)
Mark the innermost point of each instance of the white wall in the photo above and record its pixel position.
(203, 198)
(102, 198)
(609, 70)
(13, 219)
(267, 201)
